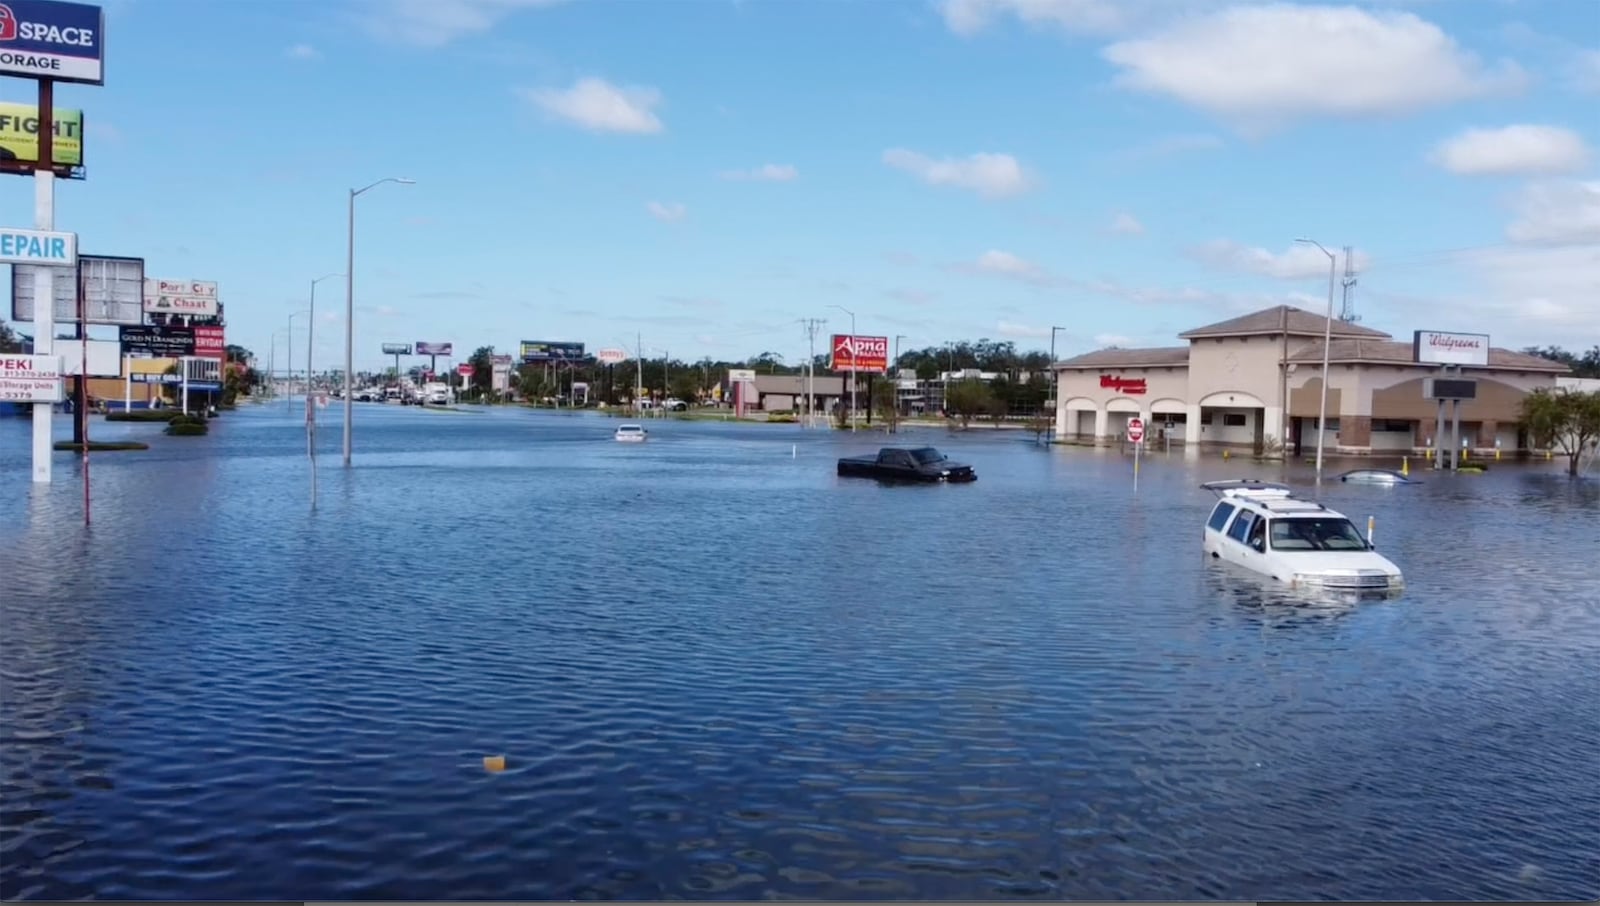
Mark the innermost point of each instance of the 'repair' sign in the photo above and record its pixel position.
(39, 247)
(46, 39)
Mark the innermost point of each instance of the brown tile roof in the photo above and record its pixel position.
(1392, 352)
(1271, 320)
(1113, 357)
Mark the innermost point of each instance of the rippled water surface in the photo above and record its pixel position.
(718, 671)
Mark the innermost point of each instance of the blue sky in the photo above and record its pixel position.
(707, 173)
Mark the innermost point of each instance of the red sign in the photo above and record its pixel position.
(859, 353)
(464, 370)
(208, 343)
(1136, 430)
(1123, 385)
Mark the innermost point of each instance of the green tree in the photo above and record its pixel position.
(886, 402)
(9, 341)
(482, 362)
(1563, 420)
(966, 399)
(686, 384)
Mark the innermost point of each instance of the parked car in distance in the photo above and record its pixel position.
(675, 405)
(907, 464)
(1264, 528)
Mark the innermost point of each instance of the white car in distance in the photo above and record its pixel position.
(1264, 528)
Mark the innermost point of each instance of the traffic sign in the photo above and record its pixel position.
(1136, 430)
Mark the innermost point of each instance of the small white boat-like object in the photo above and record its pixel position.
(1375, 476)
(631, 434)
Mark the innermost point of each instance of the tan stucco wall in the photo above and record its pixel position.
(1235, 365)
(1160, 383)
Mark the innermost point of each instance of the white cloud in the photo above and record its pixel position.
(1267, 64)
(302, 52)
(1005, 264)
(968, 17)
(1522, 148)
(1565, 211)
(1300, 261)
(435, 23)
(763, 173)
(599, 106)
(1126, 224)
(1021, 331)
(990, 175)
(667, 212)
(1585, 68)
(1519, 296)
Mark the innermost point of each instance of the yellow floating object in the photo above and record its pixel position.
(1405, 465)
(494, 764)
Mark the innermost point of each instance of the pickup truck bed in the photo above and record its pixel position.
(917, 464)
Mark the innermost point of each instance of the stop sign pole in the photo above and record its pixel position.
(1136, 437)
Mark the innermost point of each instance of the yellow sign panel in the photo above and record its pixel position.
(19, 135)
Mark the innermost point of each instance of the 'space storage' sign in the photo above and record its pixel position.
(47, 39)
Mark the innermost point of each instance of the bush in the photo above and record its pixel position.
(187, 426)
(184, 418)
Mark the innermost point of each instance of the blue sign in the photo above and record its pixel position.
(46, 39)
(38, 247)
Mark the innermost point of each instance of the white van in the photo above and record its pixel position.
(1264, 528)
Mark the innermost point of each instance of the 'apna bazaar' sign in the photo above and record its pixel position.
(1437, 347)
(858, 353)
(47, 39)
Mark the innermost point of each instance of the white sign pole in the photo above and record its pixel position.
(44, 322)
(127, 384)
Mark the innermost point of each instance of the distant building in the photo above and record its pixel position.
(1256, 380)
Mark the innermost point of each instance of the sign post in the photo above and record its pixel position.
(1136, 437)
(48, 42)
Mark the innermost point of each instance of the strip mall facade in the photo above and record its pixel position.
(1254, 381)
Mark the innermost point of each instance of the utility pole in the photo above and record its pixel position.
(638, 370)
(812, 325)
(1347, 308)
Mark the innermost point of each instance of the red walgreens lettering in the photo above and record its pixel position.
(1123, 385)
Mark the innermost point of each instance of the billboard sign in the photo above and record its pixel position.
(19, 135)
(857, 353)
(113, 291)
(397, 349)
(424, 348)
(180, 297)
(38, 247)
(741, 375)
(1436, 347)
(465, 370)
(31, 378)
(47, 39)
(612, 356)
(158, 342)
(501, 361)
(105, 357)
(543, 351)
(209, 343)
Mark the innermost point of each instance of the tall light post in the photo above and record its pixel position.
(289, 368)
(894, 373)
(311, 332)
(1327, 341)
(350, 309)
(852, 363)
(1055, 377)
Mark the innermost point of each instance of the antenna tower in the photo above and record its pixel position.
(812, 325)
(1347, 310)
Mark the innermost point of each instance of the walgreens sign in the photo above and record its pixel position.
(1435, 347)
(859, 353)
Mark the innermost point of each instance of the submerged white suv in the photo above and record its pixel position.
(1264, 528)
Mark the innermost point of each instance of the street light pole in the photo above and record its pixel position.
(350, 309)
(1055, 378)
(290, 367)
(311, 332)
(1327, 341)
(852, 364)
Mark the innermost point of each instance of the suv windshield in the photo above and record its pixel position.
(927, 456)
(1316, 534)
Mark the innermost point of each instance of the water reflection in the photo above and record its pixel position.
(719, 671)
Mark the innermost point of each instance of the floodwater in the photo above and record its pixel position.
(716, 670)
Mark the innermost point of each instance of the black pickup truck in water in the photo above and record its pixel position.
(906, 464)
